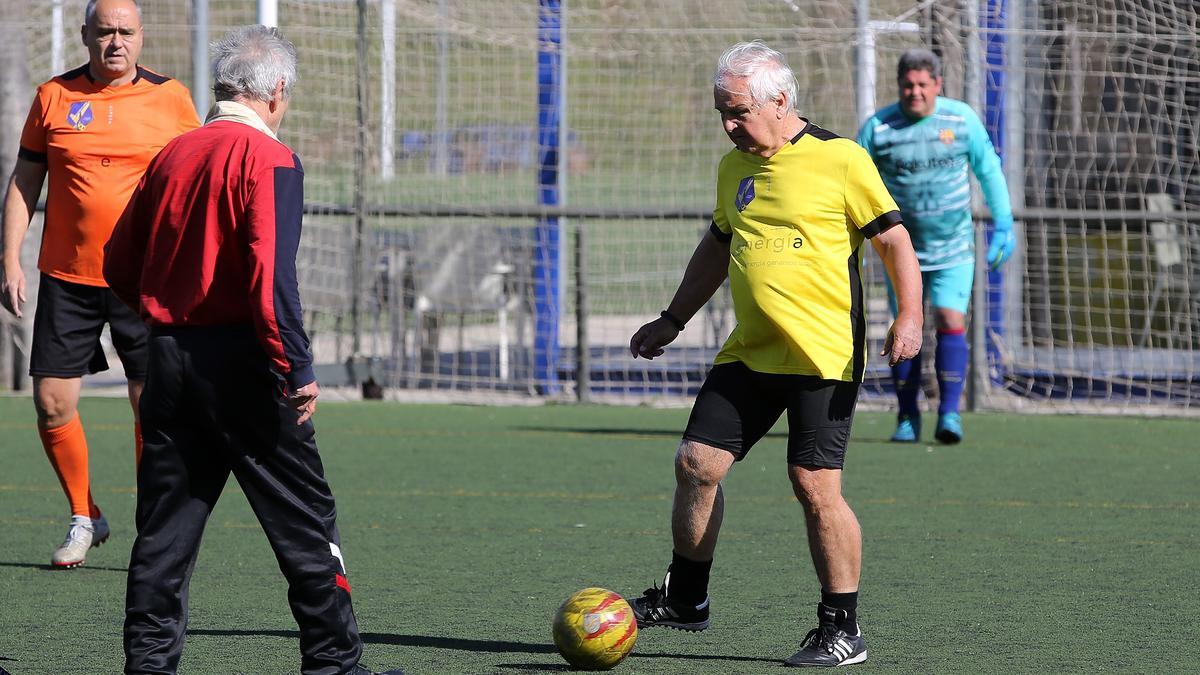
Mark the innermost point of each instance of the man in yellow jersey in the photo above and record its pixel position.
(92, 130)
(794, 204)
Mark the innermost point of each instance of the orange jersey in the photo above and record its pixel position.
(96, 141)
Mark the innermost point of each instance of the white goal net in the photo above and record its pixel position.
(529, 177)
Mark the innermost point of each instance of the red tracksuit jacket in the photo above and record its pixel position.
(210, 238)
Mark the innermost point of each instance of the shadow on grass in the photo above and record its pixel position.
(461, 644)
(477, 646)
(611, 431)
(59, 570)
(677, 433)
(887, 442)
(562, 667)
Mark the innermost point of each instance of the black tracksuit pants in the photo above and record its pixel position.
(213, 406)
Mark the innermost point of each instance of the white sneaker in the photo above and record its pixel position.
(83, 535)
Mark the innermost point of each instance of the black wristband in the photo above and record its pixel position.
(674, 320)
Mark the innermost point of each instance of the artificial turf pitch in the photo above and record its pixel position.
(1041, 544)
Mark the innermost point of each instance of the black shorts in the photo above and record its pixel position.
(67, 327)
(737, 406)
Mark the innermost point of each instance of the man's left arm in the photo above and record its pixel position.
(274, 216)
(896, 250)
(985, 163)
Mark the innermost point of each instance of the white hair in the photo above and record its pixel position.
(250, 61)
(89, 12)
(766, 71)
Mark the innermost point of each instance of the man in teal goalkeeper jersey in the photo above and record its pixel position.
(923, 146)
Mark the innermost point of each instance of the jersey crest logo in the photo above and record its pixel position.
(946, 136)
(80, 115)
(745, 193)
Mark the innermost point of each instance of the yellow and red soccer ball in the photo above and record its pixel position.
(595, 629)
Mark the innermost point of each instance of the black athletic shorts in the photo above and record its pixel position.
(67, 327)
(737, 406)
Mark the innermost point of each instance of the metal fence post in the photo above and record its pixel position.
(200, 63)
(583, 359)
(360, 169)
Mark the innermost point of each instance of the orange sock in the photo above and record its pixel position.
(66, 447)
(137, 447)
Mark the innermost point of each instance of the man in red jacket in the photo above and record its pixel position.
(206, 252)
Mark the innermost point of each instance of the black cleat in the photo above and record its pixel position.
(828, 645)
(655, 608)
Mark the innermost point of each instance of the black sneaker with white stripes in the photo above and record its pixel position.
(655, 608)
(828, 644)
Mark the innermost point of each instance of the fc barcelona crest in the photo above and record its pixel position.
(946, 136)
(745, 193)
(80, 115)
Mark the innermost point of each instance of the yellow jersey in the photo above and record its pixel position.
(795, 223)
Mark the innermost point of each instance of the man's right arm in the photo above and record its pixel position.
(19, 204)
(705, 272)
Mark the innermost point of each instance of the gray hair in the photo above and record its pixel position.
(250, 61)
(919, 59)
(766, 70)
(89, 12)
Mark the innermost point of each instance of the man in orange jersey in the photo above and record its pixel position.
(93, 130)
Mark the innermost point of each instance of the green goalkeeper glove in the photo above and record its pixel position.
(1003, 243)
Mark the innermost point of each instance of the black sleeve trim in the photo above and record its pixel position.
(722, 237)
(31, 156)
(881, 224)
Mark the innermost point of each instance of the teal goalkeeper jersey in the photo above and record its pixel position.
(924, 165)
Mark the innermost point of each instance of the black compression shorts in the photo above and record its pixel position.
(737, 406)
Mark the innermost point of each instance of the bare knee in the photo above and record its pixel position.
(698, 465)
(946, 319)
(816, 489)
(56, 402)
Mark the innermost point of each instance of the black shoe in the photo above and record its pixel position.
(829, 645)
(655, 608)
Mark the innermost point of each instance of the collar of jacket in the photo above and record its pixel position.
(232, 111)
